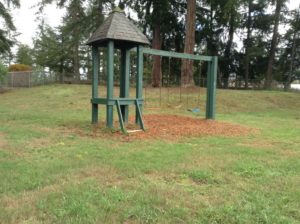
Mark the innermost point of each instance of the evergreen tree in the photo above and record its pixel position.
(24, 55)
(274, 42)
(290, 57)
(189, 44)
(6, 41)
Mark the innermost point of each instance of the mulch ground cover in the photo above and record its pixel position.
(174, 127)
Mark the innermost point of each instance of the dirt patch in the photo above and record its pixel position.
(173, 127)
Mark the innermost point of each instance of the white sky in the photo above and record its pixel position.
(26, 24)
(25, 19)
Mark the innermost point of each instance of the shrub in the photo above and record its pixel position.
(19, 68)
(3, 71)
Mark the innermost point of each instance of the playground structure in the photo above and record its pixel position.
(118, 32)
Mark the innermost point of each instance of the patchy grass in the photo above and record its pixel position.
(54, 168)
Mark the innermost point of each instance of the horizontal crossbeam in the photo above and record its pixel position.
(176, 55)
(112, 102)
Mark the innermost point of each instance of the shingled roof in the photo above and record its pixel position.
(118, 27)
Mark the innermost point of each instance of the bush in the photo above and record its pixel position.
(3, 71)
(19, 68)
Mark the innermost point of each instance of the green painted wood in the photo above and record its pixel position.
(139, 114)
(95, 113)
(208, 81)
(99, 101)
(211, 89)
(110, 83)
(95, 78)
(112, 102)
(139, 81)
(123, 129)
(124, 81)
(176, 54)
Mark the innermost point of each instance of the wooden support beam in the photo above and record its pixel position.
(176, 54)
(211, 88)
(95, 80)
(139, 114)
(110, 83)
(139, 83)
(112, 102)
(122, 126)
(124, 81)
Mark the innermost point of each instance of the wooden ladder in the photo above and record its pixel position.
(139, 115)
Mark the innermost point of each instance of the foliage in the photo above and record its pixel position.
(5, 40)
(19, 68)
(238, 31)
(24, 55)
(3, 71)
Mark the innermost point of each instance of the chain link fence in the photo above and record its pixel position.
(26, 79)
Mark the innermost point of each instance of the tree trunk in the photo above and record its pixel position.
(227, 53)
(100, 16)
(156, 68)
(287, 84)
(212, 46)
(76, 63)
(248, 46)
(269, 74)
(189, 44)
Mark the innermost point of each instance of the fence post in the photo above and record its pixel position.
(211, 88)
(12, 80)
(29, 74)
(43, 77)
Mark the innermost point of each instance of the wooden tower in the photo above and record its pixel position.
(118, 32)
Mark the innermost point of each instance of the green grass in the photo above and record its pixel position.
(53, 169)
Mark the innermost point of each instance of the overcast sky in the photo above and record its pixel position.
(24, 18)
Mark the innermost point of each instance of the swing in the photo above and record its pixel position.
(197, 109)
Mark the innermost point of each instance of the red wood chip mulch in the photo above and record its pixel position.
(174, 127)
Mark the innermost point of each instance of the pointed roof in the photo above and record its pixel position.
(118, 27)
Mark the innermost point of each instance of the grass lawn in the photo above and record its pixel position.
(53, 170)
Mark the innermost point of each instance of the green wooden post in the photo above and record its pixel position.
(211, 88)
(95, 56)
(110, 83)
(124, 81)
(139, 82)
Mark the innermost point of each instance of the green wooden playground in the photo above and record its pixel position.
(118, 32)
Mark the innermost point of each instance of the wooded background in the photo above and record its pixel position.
(254, 39)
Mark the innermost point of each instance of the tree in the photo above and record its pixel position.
(152, 15)
(5, 41)
(50, 51)
(24, 55)
(189, 44)
(74, 31)
(289, 61)
(3, 71)
(81, 19)
(255, 24)
(295, 26)
(230, 17)
(248, 41)
(274, 42)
